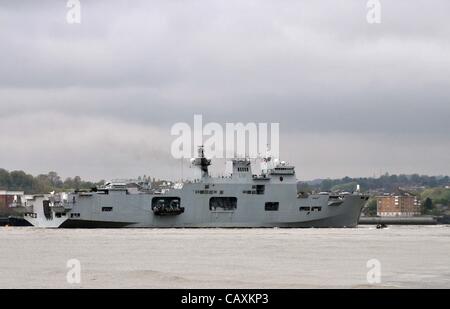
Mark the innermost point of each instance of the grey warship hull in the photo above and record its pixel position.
(118, 209)
(239, 201)
(340, 219)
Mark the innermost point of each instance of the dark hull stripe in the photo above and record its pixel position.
(78, 224)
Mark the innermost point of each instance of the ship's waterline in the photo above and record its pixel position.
(409, 256)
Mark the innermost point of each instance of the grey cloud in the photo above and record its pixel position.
(316, 67)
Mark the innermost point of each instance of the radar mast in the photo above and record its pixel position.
(202, 162)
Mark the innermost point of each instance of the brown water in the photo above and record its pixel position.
(410, 256)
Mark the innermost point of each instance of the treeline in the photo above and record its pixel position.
(386, 182)
(21, 181)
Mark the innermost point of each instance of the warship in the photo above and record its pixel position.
(241, 200)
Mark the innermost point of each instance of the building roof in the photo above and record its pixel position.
(398, 192)
(4, 192)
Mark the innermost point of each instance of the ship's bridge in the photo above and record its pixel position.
(282, 169)
(242, 168)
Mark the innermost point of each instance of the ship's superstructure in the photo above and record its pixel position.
(243, 199)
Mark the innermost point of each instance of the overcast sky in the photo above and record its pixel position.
(98, 99)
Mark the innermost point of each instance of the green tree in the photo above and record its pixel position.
(326, 185)
(349, 187)
(370, 209)
(55, 180)
(42, 184)
(428, 205)
(19, 180)
(303, 187)
(4, 179)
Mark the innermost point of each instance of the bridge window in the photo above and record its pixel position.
(107, 209)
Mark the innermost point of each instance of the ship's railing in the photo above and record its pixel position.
(16, 205)
(60, 202)
(20, 204)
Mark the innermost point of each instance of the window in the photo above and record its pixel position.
(305, 208)
(316, 208)
(107, 209)
(260, 189)
(205, 191)
(30, 214)
(223, 203)
(272, 206)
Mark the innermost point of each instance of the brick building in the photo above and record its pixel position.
(6, 198)
(405, 205)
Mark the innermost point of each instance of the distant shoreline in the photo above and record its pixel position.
(420, 220)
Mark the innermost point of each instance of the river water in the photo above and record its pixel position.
(405, 256)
